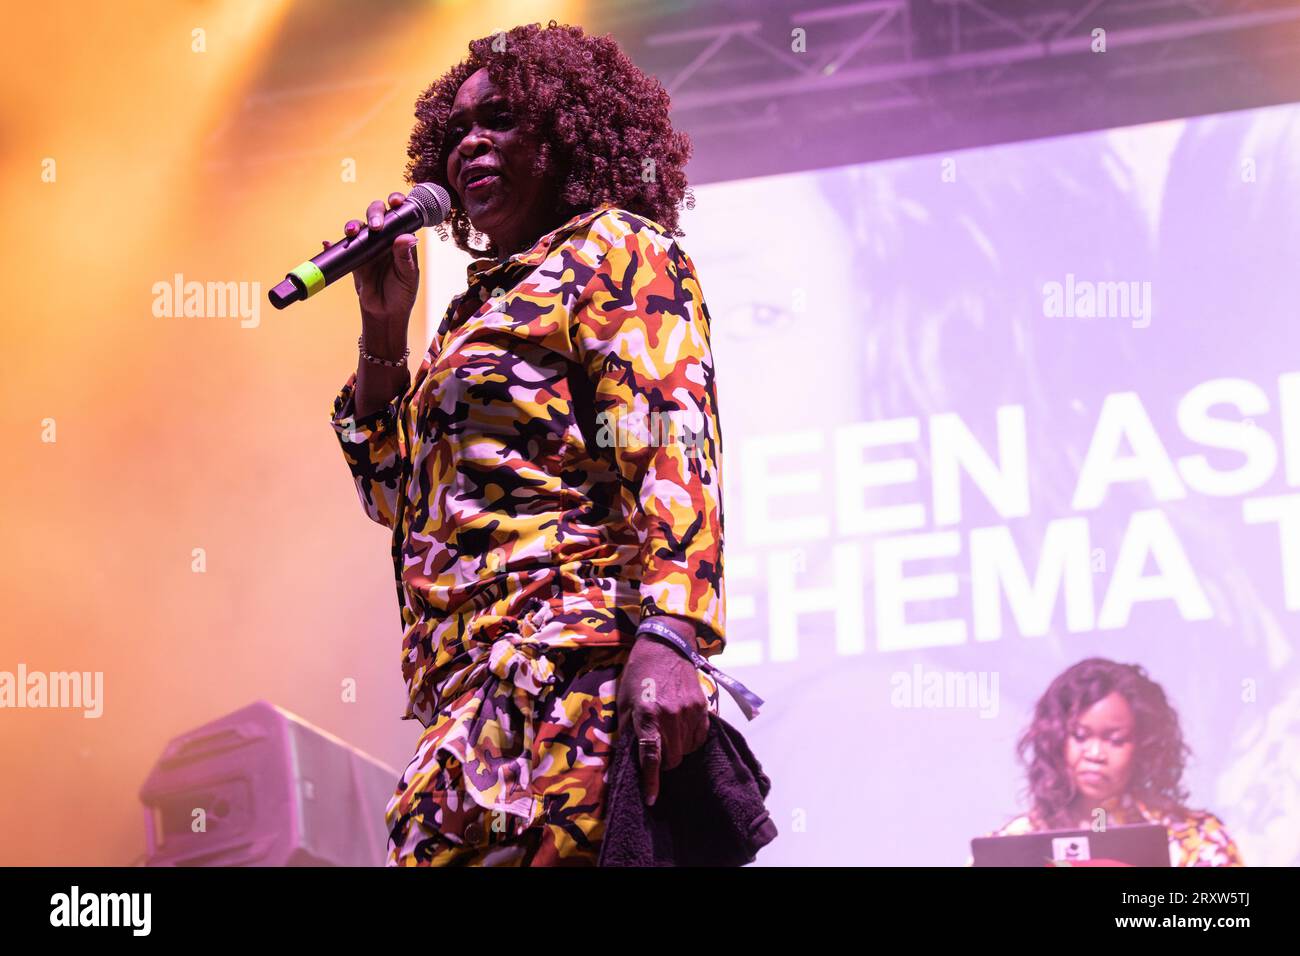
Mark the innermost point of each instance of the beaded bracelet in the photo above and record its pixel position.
(400, 363)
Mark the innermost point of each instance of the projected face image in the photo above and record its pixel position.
(1099, 749)
(769, 288)
(490, 165)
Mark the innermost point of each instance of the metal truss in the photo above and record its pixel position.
(882, 43)
(934, 74)
(960, 72)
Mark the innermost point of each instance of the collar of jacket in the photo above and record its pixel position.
(480, 268)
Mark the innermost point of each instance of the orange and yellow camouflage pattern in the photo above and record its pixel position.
(1196, 837)
(551, 475)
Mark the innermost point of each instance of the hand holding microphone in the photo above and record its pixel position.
(386, 284)
(393, 281)
(380, 254)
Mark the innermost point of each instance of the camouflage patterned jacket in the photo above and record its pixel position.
(553, 470)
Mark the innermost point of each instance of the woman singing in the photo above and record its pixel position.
(1105, 747)
(551, 475)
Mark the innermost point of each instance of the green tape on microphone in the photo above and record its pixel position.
(312, 278)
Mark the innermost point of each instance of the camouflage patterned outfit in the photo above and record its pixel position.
(551, 475)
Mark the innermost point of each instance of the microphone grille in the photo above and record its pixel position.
(433, 201)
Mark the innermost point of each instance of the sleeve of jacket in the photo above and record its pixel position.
(640, 328)
(372, 450)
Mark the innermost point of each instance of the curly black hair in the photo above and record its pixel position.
(1158, 757)
(602, 124)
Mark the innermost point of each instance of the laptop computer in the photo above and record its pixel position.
(1141, 844)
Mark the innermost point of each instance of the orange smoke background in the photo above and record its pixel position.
(128, 156)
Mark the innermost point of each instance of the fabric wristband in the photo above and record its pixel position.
(745, 699)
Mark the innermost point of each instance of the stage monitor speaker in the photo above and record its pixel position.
(262, 787)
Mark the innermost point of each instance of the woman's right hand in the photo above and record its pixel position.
(386, 285)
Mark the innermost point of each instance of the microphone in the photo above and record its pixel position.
(427, 204)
